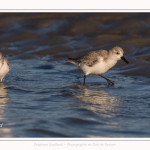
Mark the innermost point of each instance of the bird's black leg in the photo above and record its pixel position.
(108, 81)
(84, 79)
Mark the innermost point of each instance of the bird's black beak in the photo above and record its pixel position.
(124, 59)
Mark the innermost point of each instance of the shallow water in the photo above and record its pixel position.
(43, 95)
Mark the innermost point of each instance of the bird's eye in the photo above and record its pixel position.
(117, 53)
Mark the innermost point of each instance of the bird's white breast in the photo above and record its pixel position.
(4, 70)
(99, 68)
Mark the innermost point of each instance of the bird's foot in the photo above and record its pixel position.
(110, 83)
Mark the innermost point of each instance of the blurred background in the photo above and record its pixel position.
(43, 95)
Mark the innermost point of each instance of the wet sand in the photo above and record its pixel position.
(43, 95)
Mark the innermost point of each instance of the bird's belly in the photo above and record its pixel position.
(4, 70)
(98, 68)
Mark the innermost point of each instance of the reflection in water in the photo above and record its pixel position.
(98, 101)
(4, 132)
(3, 99)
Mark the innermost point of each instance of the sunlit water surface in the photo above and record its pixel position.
(44, 96)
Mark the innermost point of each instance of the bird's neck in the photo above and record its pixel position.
(111, 60)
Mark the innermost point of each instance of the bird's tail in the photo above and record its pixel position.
(74, 61)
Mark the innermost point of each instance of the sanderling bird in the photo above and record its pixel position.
(98, 62)
(4, 66)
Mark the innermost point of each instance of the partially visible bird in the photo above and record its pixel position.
(4, 67)
(99, 62)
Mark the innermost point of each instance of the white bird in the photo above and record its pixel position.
(99, 62)
(4, 66)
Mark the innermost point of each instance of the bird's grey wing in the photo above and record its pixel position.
(103, 54)
(90, 59)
